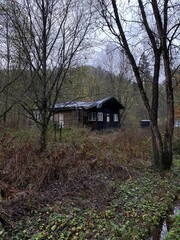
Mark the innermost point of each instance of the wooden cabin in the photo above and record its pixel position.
(102, 114)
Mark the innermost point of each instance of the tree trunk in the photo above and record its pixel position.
(157, 147)
(162, 149)
(7, 71)
(43, 138)
(168, 136)
(162, 27)
(43, 126)
(168, 153)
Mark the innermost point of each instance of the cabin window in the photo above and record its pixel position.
(108, 117)
(92, 116)
(177, 123)
(115, 116)
(37, 116)
(145, 123)
(100, 117)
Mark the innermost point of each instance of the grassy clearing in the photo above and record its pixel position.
(88, 186)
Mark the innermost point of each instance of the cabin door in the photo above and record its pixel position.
(108, 121)
(108, 118)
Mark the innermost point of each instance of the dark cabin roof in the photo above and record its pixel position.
(86, 105)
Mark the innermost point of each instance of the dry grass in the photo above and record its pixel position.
(83, 155)
(84, 165)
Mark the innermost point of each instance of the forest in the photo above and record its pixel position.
(75, 183)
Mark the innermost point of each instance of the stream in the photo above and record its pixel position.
(161, 231)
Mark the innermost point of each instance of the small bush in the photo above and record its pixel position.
(176, 142)
(176, 146)
(174, 232)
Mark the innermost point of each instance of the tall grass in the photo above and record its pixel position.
(81, 155)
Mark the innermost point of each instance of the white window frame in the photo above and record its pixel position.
(92, 116)
(116, 117)
(100, 116)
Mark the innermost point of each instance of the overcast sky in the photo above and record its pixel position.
(138, 39)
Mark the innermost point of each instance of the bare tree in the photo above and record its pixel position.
(7, 64)
(51, 34)
(158, 23)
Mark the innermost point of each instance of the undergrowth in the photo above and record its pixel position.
(89, 185)
(23, 167)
